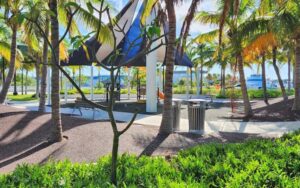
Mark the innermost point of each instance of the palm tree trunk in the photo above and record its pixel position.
(289, 72)
(201, 79)
(284, 95)
(37, 74)
(12, 65)
(247, 106)
(223, 81)
(197, 81)
(264, 81)
(56, 118)
(3, 72)
(44, 71)
(167, 118)
(15, 83)
(296, 105)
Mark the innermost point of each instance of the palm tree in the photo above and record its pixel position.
(231, 16)
(56, 118)
(167, 117)
(44, 70)
(264, 80)
(285, 22)
(201, 55)
(13, 19)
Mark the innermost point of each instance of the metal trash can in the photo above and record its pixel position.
(196, 116)
(176, 114)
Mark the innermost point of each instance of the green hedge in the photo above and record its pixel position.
(19, 97)
(253, 94)
(96, 91)
(254, 163)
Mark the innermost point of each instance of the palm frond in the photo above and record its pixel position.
(208, 17)
(206, 37)
(147, 9)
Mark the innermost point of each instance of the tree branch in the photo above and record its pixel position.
(68, 26)
(129, 124)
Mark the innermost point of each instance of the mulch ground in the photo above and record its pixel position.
(277, 110)
(23, 139)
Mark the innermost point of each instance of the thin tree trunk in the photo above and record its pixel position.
(22, 81)
(74, 77)
(201, 79)
(12, 65)
(222, 81)
(197, 81)
(15, 83)
(56, 117)
(79, 79)
(264, 81)
(37, 74)
(114, 159)
(191, 76)
(167, 118)
(289, 72)
(61, 82)
(284, 95)
(296, 105)
(247, 106)
(26, 81)
(44, 71)
(3, 72)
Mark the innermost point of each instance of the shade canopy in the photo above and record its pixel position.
(129, 45)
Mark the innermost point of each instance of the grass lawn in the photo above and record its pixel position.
(27, 97)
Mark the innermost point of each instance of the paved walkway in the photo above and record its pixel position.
(154, 120)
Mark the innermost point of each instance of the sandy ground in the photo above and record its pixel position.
(23, 139)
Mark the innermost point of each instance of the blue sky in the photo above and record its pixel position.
(197, 28)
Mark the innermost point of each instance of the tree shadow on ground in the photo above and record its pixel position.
(154, 144)
(173, 143)
(26, 153)
(23, 133)
(279, 111)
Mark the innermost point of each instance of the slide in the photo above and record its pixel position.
(161, 95)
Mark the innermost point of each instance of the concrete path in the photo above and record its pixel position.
(155, 120)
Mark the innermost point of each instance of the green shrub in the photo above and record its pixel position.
(253, 94)
(253, 163)
(28, 97)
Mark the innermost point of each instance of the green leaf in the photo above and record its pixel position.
(21, 18)
(90, 7)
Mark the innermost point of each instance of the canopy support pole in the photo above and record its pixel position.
(151, 93)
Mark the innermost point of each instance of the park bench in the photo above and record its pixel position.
(79, 103)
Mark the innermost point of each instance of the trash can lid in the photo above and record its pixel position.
(196, 100)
